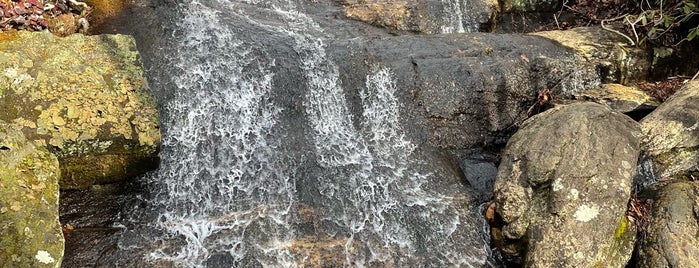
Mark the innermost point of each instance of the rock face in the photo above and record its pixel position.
(466, 90)
(620, 98)
(85, 98)
(425, 16)
(619, 62)
(671, 133)
(563, 186)
(671, 239)
(31, 234)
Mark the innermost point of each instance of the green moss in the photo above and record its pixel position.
(621, 229)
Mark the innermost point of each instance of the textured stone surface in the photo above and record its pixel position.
(31, 234)
(671, 133)
(672, 238)
(620, 98)
(85, 98)
(619, 62)
(563, 186)
(425, 16)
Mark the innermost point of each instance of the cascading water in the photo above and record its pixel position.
(453, 21)
(236, 180)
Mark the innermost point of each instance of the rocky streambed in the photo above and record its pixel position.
(340, 133)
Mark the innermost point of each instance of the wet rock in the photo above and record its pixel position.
(563, 186)
(530, 5)
(671, 238)
(31, 234)
(618, 62)
(86, 99)
(620, 98)
(479, 169)
(425, 16)
(671, 133)
(466, 90)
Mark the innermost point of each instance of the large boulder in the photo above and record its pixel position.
(671, 133)
(31, 234)
(671, 238)
(425, 16)
(617, 60)
(85, 98)
(563, 186)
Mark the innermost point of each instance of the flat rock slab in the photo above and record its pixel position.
(563, 186)
(83, 97)
(30, 232)
(671, 239)
(671, 133)
(618, 61)
(620, 98)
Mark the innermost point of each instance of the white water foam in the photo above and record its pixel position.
(219, 172)
(222, 175)
(453, 20)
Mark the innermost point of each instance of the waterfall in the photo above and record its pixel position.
(453, 21)
(232, 188)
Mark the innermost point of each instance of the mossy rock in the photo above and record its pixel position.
(29, 174)
(86, 99)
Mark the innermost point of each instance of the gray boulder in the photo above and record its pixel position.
(672, 238)
(563, 186)
(31, 234)
(671, 133)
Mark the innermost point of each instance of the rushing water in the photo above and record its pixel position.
(249, 180)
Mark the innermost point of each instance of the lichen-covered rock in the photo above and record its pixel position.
(425, 16)
(563, 186)
(30, 232)
(530, 5)
(620, 98)
(619, 62)
(85, 98)
(671, 133)
(671, 238)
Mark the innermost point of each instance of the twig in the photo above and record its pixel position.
(619, 33)
(695, 76)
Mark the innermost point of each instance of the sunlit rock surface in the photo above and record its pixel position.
(425, 16)
(563, 186)
(83, 97)
(618, 61)
(620, 98)
(671, 133)
(31, 234)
